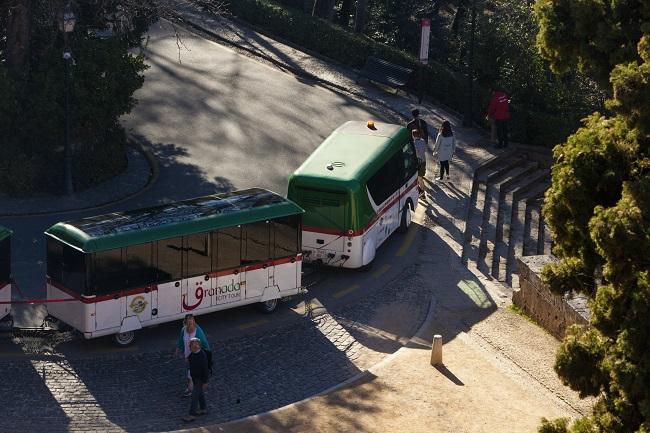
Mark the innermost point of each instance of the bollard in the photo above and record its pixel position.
(436, 350)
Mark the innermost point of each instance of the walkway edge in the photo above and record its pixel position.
(154, 172)
(417, 340)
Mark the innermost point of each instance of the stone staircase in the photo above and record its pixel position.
(504, 218)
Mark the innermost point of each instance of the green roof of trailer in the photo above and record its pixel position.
(351, 154)
(4, 233)
(120, 229)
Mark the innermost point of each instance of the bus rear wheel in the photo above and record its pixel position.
(123, 339)
(405, 221)
(267, 307)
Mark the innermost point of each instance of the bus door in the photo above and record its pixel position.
(197, 265)
(256, 253)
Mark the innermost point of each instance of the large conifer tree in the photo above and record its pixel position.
(599, 209)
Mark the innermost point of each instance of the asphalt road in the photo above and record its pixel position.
(216, 121)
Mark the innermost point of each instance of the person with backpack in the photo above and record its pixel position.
(190, 330)
(199, 372)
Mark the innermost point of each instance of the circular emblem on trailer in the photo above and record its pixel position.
(138, 304)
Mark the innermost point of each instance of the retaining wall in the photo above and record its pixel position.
(553, 312)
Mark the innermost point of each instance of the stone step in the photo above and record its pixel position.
(536, 184)
(531, 228)
(500, 252)
(492, 214)
(474, 214)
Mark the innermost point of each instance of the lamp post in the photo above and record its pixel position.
(66, 24)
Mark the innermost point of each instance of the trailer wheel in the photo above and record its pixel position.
(123, 339)
(267, 307)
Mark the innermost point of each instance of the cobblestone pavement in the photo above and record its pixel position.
(253, 374)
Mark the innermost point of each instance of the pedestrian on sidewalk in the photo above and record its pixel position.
(417, 124)
(189, 331)
(499, 110)
(198, 366)
(421, 152)
(444, 148)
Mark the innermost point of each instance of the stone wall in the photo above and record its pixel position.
(553, 312)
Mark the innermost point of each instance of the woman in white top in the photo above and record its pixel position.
(444, 148)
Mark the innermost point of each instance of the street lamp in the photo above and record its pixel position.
(66, 25)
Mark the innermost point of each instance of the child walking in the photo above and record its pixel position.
(420, 150)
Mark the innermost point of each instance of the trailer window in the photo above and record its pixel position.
(139, 265)
(54, 259)
(255, 242)
(198, 254)
(108, 272)
(170, 259)
(228, 248)
(73, 269)
(286, 236)
(5, 260)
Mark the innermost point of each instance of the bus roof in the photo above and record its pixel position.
(120, 229)
(4, 233)
(352, 153)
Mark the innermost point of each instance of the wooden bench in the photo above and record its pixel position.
(384, 72)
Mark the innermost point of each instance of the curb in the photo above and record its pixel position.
(154, 172)
(415, 341)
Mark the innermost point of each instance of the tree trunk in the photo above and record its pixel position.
(325, 9)
(18, 36)
(346, 11)
(459, 17)
(360, 16)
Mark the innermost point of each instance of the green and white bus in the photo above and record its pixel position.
(127, 270)
(358, 187)
(5, 272)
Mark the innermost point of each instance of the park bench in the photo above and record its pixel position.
(384, 72)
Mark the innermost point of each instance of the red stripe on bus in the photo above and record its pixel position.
(328, 231)
(146, 289)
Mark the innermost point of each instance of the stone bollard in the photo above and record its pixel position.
(436, 350)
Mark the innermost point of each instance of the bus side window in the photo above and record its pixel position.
(197, 254)
(387, 180)
(410, 160)
(139, 265)
(228, 247)
(108, 272)
(255, 245)
(286, 237)
(170, 259)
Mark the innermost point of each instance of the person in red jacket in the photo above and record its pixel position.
(499, 111)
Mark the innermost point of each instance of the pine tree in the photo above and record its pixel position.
(598, 207)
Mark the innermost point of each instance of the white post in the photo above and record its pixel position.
(436, 350)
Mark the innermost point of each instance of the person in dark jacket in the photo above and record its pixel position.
(198, 364)
(418, 124)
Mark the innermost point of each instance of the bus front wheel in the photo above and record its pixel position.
(405, 221)
(123, 339)
(267, 307)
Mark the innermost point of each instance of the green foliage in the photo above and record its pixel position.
(545, 109)
(599, 209)
(341, 45)
(104, 76)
